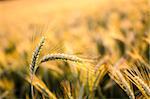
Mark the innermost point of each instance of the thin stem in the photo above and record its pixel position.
(32, 89)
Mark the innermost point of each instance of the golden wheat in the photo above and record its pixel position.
(61, 56)
(35, 56)
(137, 81)
(117, 76)
(34, 62)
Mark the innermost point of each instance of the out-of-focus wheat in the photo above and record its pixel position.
(117, 76)
(138, 74)
(40, 86)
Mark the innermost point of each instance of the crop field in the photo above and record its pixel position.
(74, 49)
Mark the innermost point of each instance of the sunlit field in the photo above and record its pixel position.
(74, 49)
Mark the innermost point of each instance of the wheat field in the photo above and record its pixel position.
(74, 49)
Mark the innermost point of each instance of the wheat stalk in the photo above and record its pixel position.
(34, 62)
(58, 56)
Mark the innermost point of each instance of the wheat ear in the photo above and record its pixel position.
(143, 85)
(34, 62)
(136, 80)
(118, 77)
(60, 56)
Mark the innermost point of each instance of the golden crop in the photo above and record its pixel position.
(74, 49)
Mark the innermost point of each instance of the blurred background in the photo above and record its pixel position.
(87, 28)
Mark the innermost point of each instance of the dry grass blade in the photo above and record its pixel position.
(117, 76)
(41, 87)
